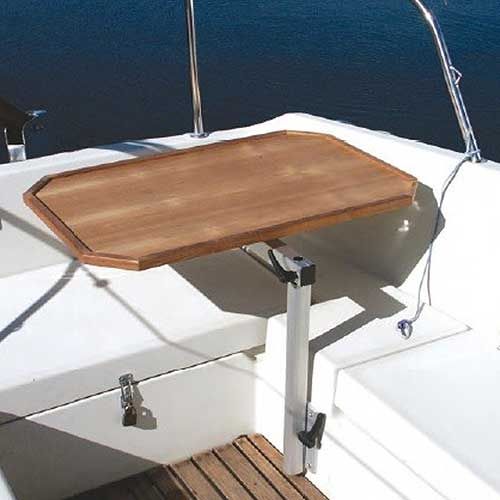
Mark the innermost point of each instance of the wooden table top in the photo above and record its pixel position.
(151, 211)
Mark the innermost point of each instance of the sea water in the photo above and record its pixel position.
(114, 70)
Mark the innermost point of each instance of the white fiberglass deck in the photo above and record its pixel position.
(384, 396)
(436, 407)
(70, 331)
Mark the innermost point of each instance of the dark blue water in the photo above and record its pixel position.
(109, 70)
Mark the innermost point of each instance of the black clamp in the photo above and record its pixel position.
(312, 438)
(283, 275)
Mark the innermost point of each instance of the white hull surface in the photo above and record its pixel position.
(205, 340)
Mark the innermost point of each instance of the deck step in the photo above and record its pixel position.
(249, 468)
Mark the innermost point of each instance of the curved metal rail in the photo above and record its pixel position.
(198, 130)
(451, 75)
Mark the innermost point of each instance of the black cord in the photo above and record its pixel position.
(405, 326)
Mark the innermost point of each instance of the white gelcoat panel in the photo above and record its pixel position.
(61, 452)
(72, 334)
(435, 407)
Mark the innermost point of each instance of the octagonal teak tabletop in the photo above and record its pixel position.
(146, 212)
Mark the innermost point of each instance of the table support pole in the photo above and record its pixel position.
(303, 427)
(296, 379)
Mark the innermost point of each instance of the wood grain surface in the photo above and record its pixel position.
(151, 211)
(249, 469)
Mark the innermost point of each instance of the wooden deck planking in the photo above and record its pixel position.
(267, 469)
(195, 481)
(248, 469)
(251, 478)
(156, 210)
(306, 488)
(221, 477)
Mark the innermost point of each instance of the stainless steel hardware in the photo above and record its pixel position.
(451, 75)
(199, 131)
(129, 417)
(13, 121)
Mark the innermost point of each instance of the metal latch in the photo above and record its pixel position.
(301, 272)
(283, 275)
(129, 417)
(311, 437)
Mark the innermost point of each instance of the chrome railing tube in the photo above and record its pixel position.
(198, 130)
(452, 77)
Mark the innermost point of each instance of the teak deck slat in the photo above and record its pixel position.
(302, 484)
(246, 473)
(267, 469)
(221, 477)
(225, 473)
(194, 481)
(151, 211)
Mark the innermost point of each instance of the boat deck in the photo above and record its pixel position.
(249, 468)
